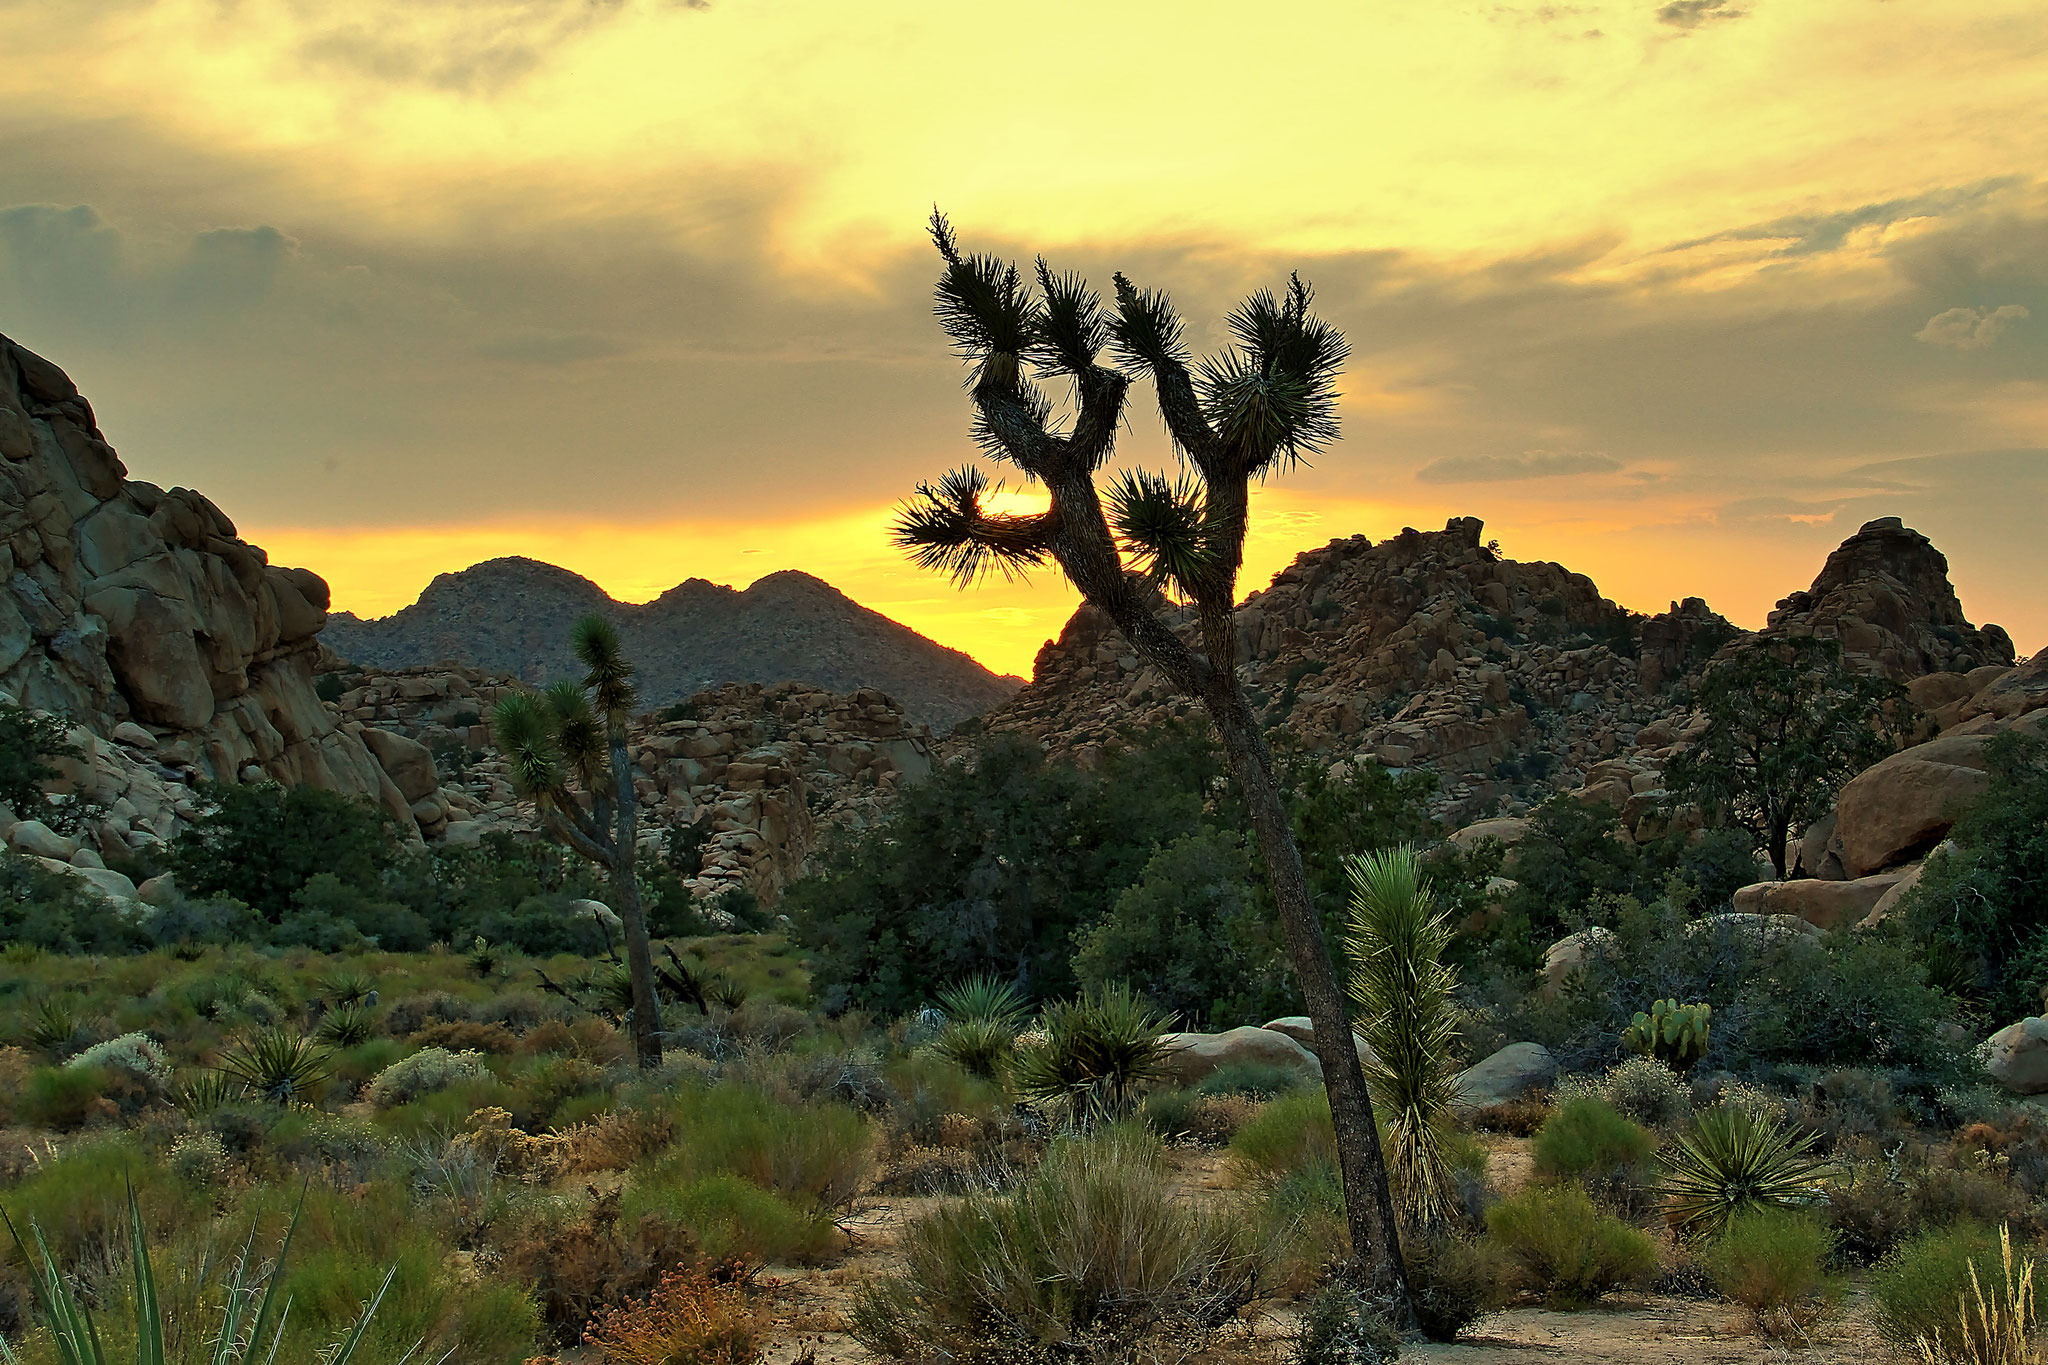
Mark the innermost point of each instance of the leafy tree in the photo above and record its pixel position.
(989, 868)
(1266, 401)
(27, 742)
(1984, 904)
(261, 843)
(1192, 935)
(577, 733)
(1788, 724)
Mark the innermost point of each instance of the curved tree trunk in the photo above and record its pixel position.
(1368, 1198)
(626, 890)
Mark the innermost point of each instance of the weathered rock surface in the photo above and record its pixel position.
(1193, 1057)
(1516, 1070)
(1823, 904)
(139, 614)
(1302, 1030)
(1898, 809)
(513, 616)
(2017, 1057)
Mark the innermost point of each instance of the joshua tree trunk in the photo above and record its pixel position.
(626, 887)
(1368, 1198)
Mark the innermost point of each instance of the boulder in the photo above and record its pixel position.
(108, 883)
(1517, 1070)
(1302, 1030)
(1506, 829)
(1823, 904)
(160, 890)
(38, 840)
(595, 910)
(1192, 1057)
(1908, 878)
(407, 761)
(2017, 1056)
(464, 833)
(1572, 952)
(1896, 810)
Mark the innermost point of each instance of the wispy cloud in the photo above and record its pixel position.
(1532, 464)
(1971, 329)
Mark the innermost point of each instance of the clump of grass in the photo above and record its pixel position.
(1564, 1248)
(1773, 1262)
(1090, 1252)
(1956, 1296)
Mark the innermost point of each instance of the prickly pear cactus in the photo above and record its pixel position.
(1670, 1032)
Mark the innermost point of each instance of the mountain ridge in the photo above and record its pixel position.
(512, 615)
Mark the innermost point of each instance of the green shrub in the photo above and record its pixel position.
(1773, 1262)
(429, 1070)
(1923, 1291)
(1562, 1247)
(1093, 1249)
(818, 1156)
(727, 1216)
(1587, 1140)
(133, 1052)
(1647, 1091)
(1453, 1280)
(1290, 1134)
(62, 1097)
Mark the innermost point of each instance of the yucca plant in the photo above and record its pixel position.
(52, 1024)
(577, 732)
(983, 1015)
(1402, 988)
(241, 1335)
(347, 1025)
(484, 958)
(349, 988)
(207, 1092)
(1098, 1053)
(277, 1065)
(1733, 1159)
(1998, 1330)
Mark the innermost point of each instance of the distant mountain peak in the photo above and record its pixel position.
(513, 615)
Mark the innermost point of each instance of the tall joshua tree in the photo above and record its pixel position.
(577, 732)
(1265, 402)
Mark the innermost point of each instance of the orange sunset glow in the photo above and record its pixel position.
(1677, 294)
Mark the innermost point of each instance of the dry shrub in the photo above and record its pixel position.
(1516, 1118)
(614, 1141)
(577, 1266)
(589, 1039)
(536, 1158)
(690, 1319)
(462, 1035)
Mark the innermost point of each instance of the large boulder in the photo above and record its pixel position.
(2017, 1056)
(1302, 1030)
(1896, 810)
(1193, 1057)
(1516, 1071)
(1823, 904)
(408, 762)
(1572, 953)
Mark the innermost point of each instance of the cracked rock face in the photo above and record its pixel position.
(126, 607)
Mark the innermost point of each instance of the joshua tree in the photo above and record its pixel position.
(1262, 404)
(578, 732)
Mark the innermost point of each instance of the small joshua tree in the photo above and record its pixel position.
(577, 732)
(1263, 403)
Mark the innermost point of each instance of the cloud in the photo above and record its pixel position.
(1809, 233)
(1533, 464)
(1970, 329)
(464, 46)
(1693, 13)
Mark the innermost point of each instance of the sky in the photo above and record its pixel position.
(1675, 292)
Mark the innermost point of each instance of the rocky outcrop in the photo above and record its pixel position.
(751, 777)
(1823, 904)
(1515, 1072)
(513, 616)
(1885, 594)
(2016, 1057)
(1192, 1058)
(132, 609)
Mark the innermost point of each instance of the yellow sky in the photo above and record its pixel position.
(637, 287)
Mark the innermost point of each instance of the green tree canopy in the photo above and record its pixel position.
(262, 842)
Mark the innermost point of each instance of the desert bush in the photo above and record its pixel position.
(1956, 1297)
(816, 1155)
(64, 1097)
(1453, 1281)
(1091, 1251)
(1646, 1091)
(725, 1216)
(425, 1072)
(199, 1160)
(689, 1319)
(1342, 1325)
(1773, 1262)
(465, 1035)
(1096, 1055)
(580, 1256)
(1733, 1160)
(1287, 1135)
(1587, 1140)
(137, 1053)
(1561, 1247)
